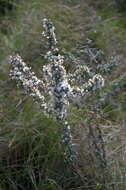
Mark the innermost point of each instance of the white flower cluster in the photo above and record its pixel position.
(27, 79)
(49, 34)
(83, 81)
(58, 87)
(96, 82)
(82, 73)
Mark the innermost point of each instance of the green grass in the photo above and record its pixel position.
(31, 155)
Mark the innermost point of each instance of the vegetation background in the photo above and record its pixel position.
(31, 156)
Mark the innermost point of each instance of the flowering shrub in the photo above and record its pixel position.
(62, 87)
